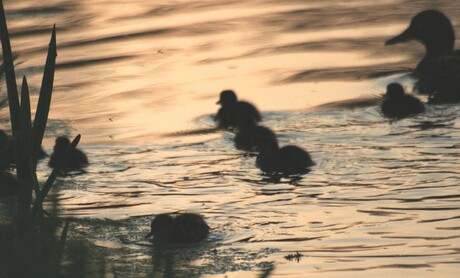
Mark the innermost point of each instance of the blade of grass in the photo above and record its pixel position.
(44, 101)
(12, 90)
(25, 107)
(10, 75)
(26, 123)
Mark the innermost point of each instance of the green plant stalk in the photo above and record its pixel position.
(26, 123)
(44, 101)
(23, 168)
(10, 75)
(10, 78)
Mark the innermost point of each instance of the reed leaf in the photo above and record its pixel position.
(10, 78)
(25, 106)
(44, 101)
(26, 124)
(10, 75)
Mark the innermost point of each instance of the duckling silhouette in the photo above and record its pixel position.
(249, 134)
(397, 104)
(288, 160)
(438, 73)
(184, 228)
(231, 108)
(77, 159)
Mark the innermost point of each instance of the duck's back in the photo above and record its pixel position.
(229, 116)
(77, 160)
(440, 78)
(247, 108)
(402, 107)
(294, 160)
(413, 105)
(248, 139)
(190, 227)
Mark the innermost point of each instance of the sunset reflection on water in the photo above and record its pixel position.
(382, 199)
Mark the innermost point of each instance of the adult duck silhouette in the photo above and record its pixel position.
(184, 228)
(231, 109)
(438, 73)
(397, 104)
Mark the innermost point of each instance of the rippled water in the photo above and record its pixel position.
(382, 201)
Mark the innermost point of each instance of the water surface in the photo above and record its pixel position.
(382, 200)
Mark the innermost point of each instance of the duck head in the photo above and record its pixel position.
(433, 29)
(161, 227)
(227, 98)
(61, 143)
(394, 91)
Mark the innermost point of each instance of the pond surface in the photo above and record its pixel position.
(382, 201)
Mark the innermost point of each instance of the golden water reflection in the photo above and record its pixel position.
(382, 200)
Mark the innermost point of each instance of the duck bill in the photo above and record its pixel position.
(219, 102)
(403, 37)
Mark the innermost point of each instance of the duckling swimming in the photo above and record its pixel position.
(438, 73)
(396, 104)
(77, 159)
(249, 134)
(231, 108)
(288, 160)
(184, 228)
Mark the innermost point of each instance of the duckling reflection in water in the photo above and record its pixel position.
(231, 108)
(184, 228)
(438, 73)
(249, 134)
(397, 104)
(77, 159)
(288, 160)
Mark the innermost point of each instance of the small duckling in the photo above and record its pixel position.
(249, 133)
(397, 105)
(231, 108)
(184, 228)
(77, 159)
(288, 160)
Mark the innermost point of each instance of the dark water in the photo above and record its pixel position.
(382, 201)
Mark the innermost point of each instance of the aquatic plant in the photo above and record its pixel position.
(30, 248)
(28, 137)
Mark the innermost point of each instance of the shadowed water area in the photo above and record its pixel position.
(382, 201)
